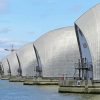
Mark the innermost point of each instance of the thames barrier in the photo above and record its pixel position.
(68, 57)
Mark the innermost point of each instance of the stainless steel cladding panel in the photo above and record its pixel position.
(13, 62)
(89, 24)
(5, 66)
(58, 51)
(27, 59)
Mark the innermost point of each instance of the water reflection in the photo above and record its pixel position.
(16, 91)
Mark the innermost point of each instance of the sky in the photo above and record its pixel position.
(23, 21)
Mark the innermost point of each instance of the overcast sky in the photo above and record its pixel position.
(23, 21)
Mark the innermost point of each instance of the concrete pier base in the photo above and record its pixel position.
(79, 89)
(16, 79)
(79, 86)
(40, 82)
(5, 77)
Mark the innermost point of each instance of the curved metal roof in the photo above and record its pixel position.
(13, 62)
(5, 66)
(58, 52)
(27, 59)
(89, 24)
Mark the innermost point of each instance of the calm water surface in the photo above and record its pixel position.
(16, 91)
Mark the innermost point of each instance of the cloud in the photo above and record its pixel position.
(2, 50)
(3, 5)
(7, 42)
(16, 43)
(3, 53)
(3, 40)
(5, 30)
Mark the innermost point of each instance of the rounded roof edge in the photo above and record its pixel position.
(54, 30)
(29, 43)
(10, 54)
(95, 6)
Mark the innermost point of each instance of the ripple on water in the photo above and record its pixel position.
(16, 91)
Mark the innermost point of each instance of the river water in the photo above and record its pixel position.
(16, 91)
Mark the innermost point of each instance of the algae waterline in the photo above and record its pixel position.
(79, 86)
(40, 82)
(34, 81)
